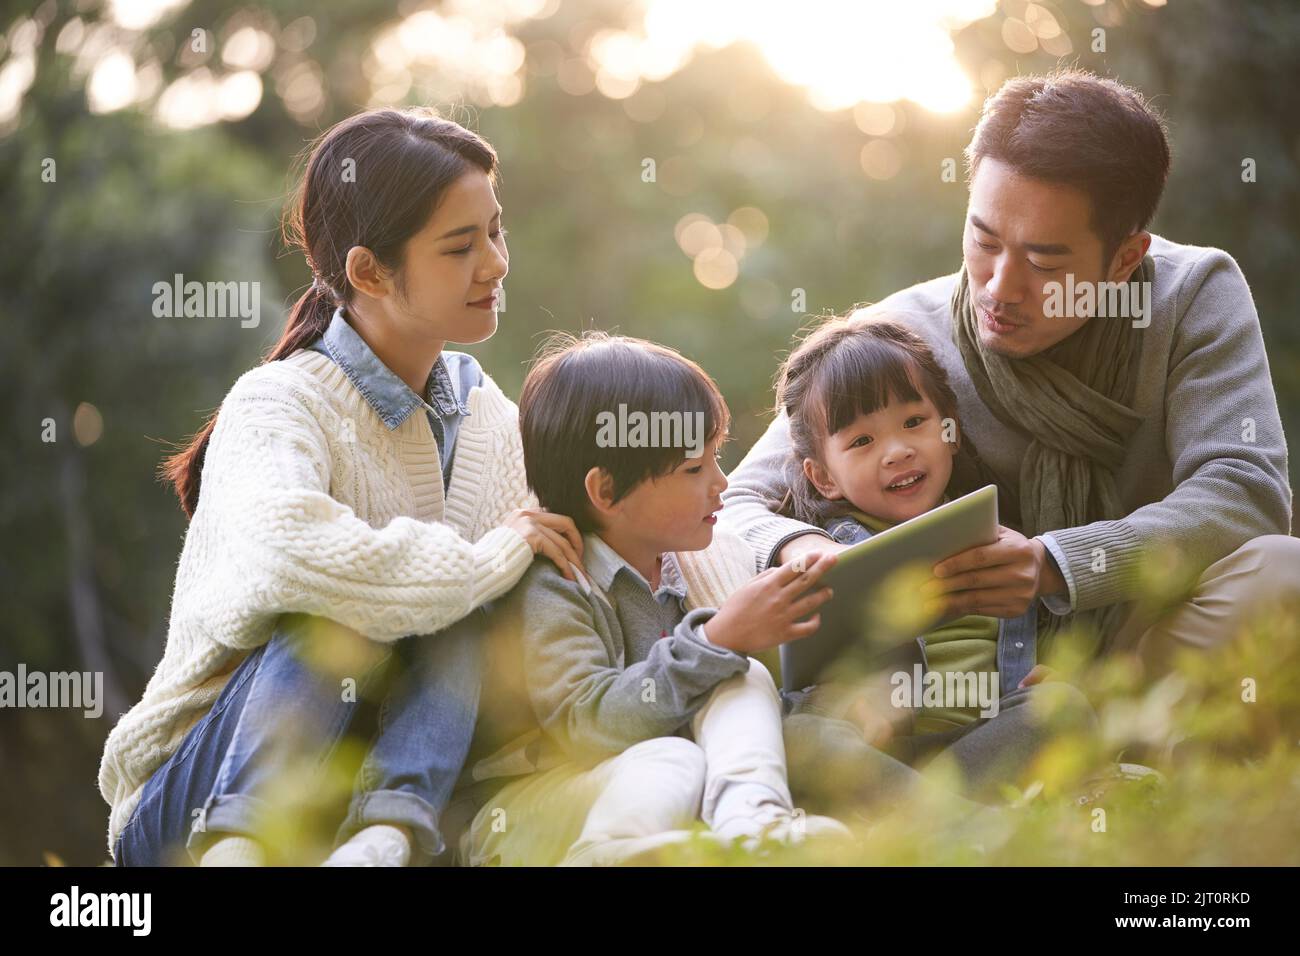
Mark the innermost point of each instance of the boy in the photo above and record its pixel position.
(613, 717)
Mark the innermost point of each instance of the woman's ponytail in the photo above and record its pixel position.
(307, 322)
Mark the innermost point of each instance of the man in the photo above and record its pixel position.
(1127, 420)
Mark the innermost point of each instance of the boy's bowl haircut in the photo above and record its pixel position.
(584, 390)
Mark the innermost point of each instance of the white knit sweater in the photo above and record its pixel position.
(310, 504)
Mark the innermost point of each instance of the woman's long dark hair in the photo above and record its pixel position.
(372, 180)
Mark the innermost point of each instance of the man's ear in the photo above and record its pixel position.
(367, 274)
(600, 492)
(1128, 257)
(821, 480)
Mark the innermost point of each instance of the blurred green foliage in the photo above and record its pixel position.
(1222, 729)
(90, 539)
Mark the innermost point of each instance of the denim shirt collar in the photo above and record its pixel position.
(390, 397)
(605, 563)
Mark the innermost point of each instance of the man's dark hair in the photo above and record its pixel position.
(1080, 130)
(576, 379)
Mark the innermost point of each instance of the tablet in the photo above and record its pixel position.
(882, 571)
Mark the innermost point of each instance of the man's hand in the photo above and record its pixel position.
(1000, 579)
(765, 611)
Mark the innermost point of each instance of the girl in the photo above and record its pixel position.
(328, 523)
(873, 427)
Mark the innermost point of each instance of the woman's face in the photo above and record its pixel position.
(453, 268)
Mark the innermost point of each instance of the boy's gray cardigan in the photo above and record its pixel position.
(567, 681)
(1205, 472)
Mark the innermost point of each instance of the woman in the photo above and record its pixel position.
(328, 524)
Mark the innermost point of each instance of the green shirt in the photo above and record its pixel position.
(968, 644)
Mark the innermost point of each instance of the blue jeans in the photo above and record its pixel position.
(216, 780)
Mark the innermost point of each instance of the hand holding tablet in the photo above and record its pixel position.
(861, 573)
(777, 606)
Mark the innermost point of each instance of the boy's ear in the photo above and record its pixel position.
(821, 480)
(600, 492)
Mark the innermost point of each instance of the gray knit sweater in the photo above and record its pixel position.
(580, 671)
(1205, 472)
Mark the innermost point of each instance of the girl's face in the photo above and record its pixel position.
(453, 267)
(893, 464)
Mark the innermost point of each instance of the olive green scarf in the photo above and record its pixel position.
(1073, 400)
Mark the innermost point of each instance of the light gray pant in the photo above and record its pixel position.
(645, 797)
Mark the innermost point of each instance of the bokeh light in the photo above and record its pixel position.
(842, 54)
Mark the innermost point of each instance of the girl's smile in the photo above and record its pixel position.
(892, 464)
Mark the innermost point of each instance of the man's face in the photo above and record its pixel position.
(1020, 235)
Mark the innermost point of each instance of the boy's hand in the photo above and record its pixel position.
(555, 536)
(765, 611)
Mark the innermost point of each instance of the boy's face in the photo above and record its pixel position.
(892, 464)
(676, 511)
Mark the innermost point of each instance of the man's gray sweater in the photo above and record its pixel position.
(1204, 473)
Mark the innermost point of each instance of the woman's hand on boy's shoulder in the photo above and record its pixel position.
(769, 609)
(554, 536)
